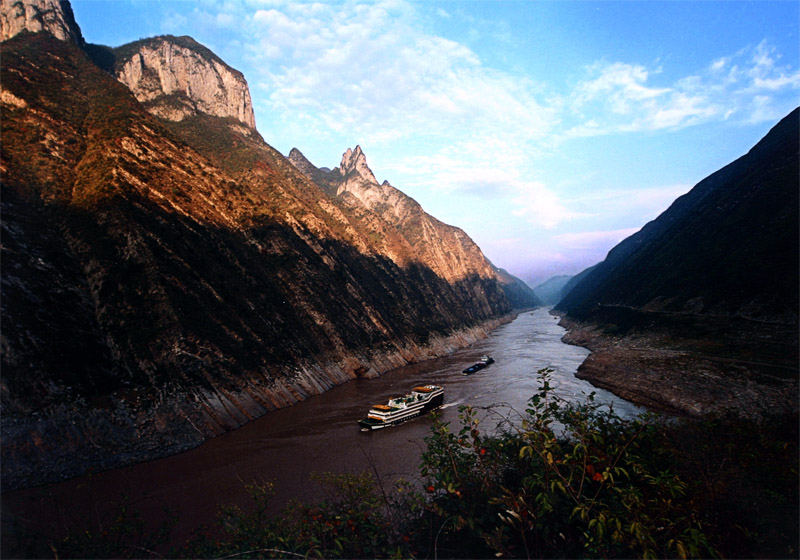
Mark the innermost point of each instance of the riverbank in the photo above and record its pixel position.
(75, 439)
(691, 365)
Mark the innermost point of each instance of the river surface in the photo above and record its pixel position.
(320, 434)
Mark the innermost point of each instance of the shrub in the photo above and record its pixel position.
(571, 481)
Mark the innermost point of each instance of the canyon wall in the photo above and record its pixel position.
(167, 277)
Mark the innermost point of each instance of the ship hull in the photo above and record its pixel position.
(368, 424)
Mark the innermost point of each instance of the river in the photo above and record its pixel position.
(320, 434)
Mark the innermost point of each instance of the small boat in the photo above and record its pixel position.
(479, 365)
(419, 401)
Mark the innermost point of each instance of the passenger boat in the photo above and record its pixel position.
(419, 401)
(479, 365)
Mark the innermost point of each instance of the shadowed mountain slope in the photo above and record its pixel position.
(412, 233)
(167, 280)
(713, 281)
(729, 246)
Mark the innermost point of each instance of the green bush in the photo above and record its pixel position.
(569, 481)
(572, 481)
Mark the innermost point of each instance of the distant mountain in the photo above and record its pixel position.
(574, 281)
(549, 291)
(698, 311)
(168, 276)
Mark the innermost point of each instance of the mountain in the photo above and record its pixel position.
(167, 275)
(176, 77)
(549, 291)
(715, 280)
(34, 16)
(518, 292)
(574, 281)
(414, 235)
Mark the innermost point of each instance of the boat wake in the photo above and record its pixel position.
(448, 405)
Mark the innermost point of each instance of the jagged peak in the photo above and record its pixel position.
(36, 16)
(355, 162)
(297, 157)
(301, 162)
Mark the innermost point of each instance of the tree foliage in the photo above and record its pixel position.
(568, 481)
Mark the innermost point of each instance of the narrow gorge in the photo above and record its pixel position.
(168, 276)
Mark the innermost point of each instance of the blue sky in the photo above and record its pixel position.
(548, 131)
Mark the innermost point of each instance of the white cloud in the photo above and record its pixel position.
(620, 97)
(540, 206)
(489, 168)
(369, 69)
(373, 71)
(374, 74)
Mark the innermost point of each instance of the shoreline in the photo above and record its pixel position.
(69, 442)
(681, 376)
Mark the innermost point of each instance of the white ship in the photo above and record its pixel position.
(398, 410)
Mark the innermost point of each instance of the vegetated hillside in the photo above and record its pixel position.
(166, 281)
(716, 274)
(518, 292)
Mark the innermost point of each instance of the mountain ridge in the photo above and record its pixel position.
(354, 183)
(202, 279)
(698, 311)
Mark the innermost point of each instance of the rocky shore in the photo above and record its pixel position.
(710, 366)
(74, 439)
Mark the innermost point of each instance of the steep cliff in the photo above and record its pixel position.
(35, 16)
(413, 235)
(167, 280)
(711, 286)
(176, 77)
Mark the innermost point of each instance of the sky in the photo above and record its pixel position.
(548, 130)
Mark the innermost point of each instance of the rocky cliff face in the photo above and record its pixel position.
(699, 310)
(414, 235)
(176, 77)
(50, 16)
(167, 280)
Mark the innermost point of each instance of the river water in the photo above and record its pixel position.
(320, 434)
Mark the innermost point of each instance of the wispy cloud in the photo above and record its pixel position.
(620, 97)
(638, 204)
(374, 73)
(369, 69)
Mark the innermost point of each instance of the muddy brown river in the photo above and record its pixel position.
(318, 435)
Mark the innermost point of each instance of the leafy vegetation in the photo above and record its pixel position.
(569, 481)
